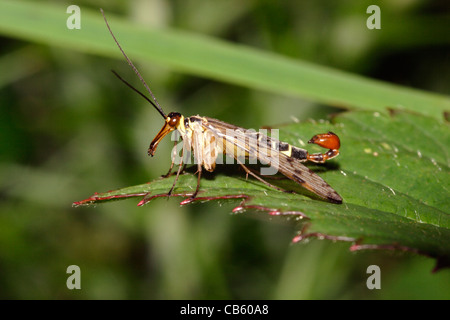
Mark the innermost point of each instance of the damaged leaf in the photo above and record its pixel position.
(393, 174)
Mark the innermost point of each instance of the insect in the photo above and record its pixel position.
(208, 138)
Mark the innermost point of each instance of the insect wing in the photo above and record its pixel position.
(235, 141)
(295, 170)
(256, 144)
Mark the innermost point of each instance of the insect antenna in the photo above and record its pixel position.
(136, 90)
(155, 104)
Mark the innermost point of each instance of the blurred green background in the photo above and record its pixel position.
(69, 128)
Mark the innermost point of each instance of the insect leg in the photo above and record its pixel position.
(269, 177)
(174, 154)
(176, 179)
(248, 171)
(199, 171)
(169, 173)
(197, 144)
(181, 167)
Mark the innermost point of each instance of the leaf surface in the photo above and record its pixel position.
(393, 174)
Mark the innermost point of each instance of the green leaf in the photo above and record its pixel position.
(213, 58)
(393, 174)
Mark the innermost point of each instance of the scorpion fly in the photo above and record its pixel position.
(208, 138)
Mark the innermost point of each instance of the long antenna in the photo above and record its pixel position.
(136, 90)
(156, 104)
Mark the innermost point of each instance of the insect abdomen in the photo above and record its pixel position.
(292, 152)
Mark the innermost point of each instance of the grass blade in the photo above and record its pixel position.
(213, 58)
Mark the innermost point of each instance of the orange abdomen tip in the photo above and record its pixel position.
(326, 140)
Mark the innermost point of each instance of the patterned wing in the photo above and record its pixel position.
(280, 155)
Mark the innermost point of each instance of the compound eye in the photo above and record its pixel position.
(174, 119)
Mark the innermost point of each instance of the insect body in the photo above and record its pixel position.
(208, 138)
